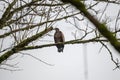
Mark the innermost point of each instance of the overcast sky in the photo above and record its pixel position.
(68, 65)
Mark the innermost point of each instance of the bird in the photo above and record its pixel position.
(59, 37)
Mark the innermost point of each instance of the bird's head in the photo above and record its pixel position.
(56, 29)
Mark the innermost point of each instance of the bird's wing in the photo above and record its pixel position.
(62, 37)
(56, 37)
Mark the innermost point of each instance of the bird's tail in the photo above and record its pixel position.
(60, 49)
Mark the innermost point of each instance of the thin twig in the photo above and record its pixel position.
(36, 58)
(111, 55)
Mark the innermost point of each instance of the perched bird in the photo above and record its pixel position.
(59, 37)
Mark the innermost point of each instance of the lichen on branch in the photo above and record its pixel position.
(102, 28)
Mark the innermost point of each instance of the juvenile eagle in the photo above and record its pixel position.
(59, 37)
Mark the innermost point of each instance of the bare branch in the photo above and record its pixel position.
(36, 58)
(101, 27)
(116, 63)
(77, 41)
(24, 43)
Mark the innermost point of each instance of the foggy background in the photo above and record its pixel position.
(68, 65)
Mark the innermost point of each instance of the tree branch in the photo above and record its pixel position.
(6, 13)
(101, 27)
(33, 26)
(111, 55)
(77, 41)
(23, 43)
